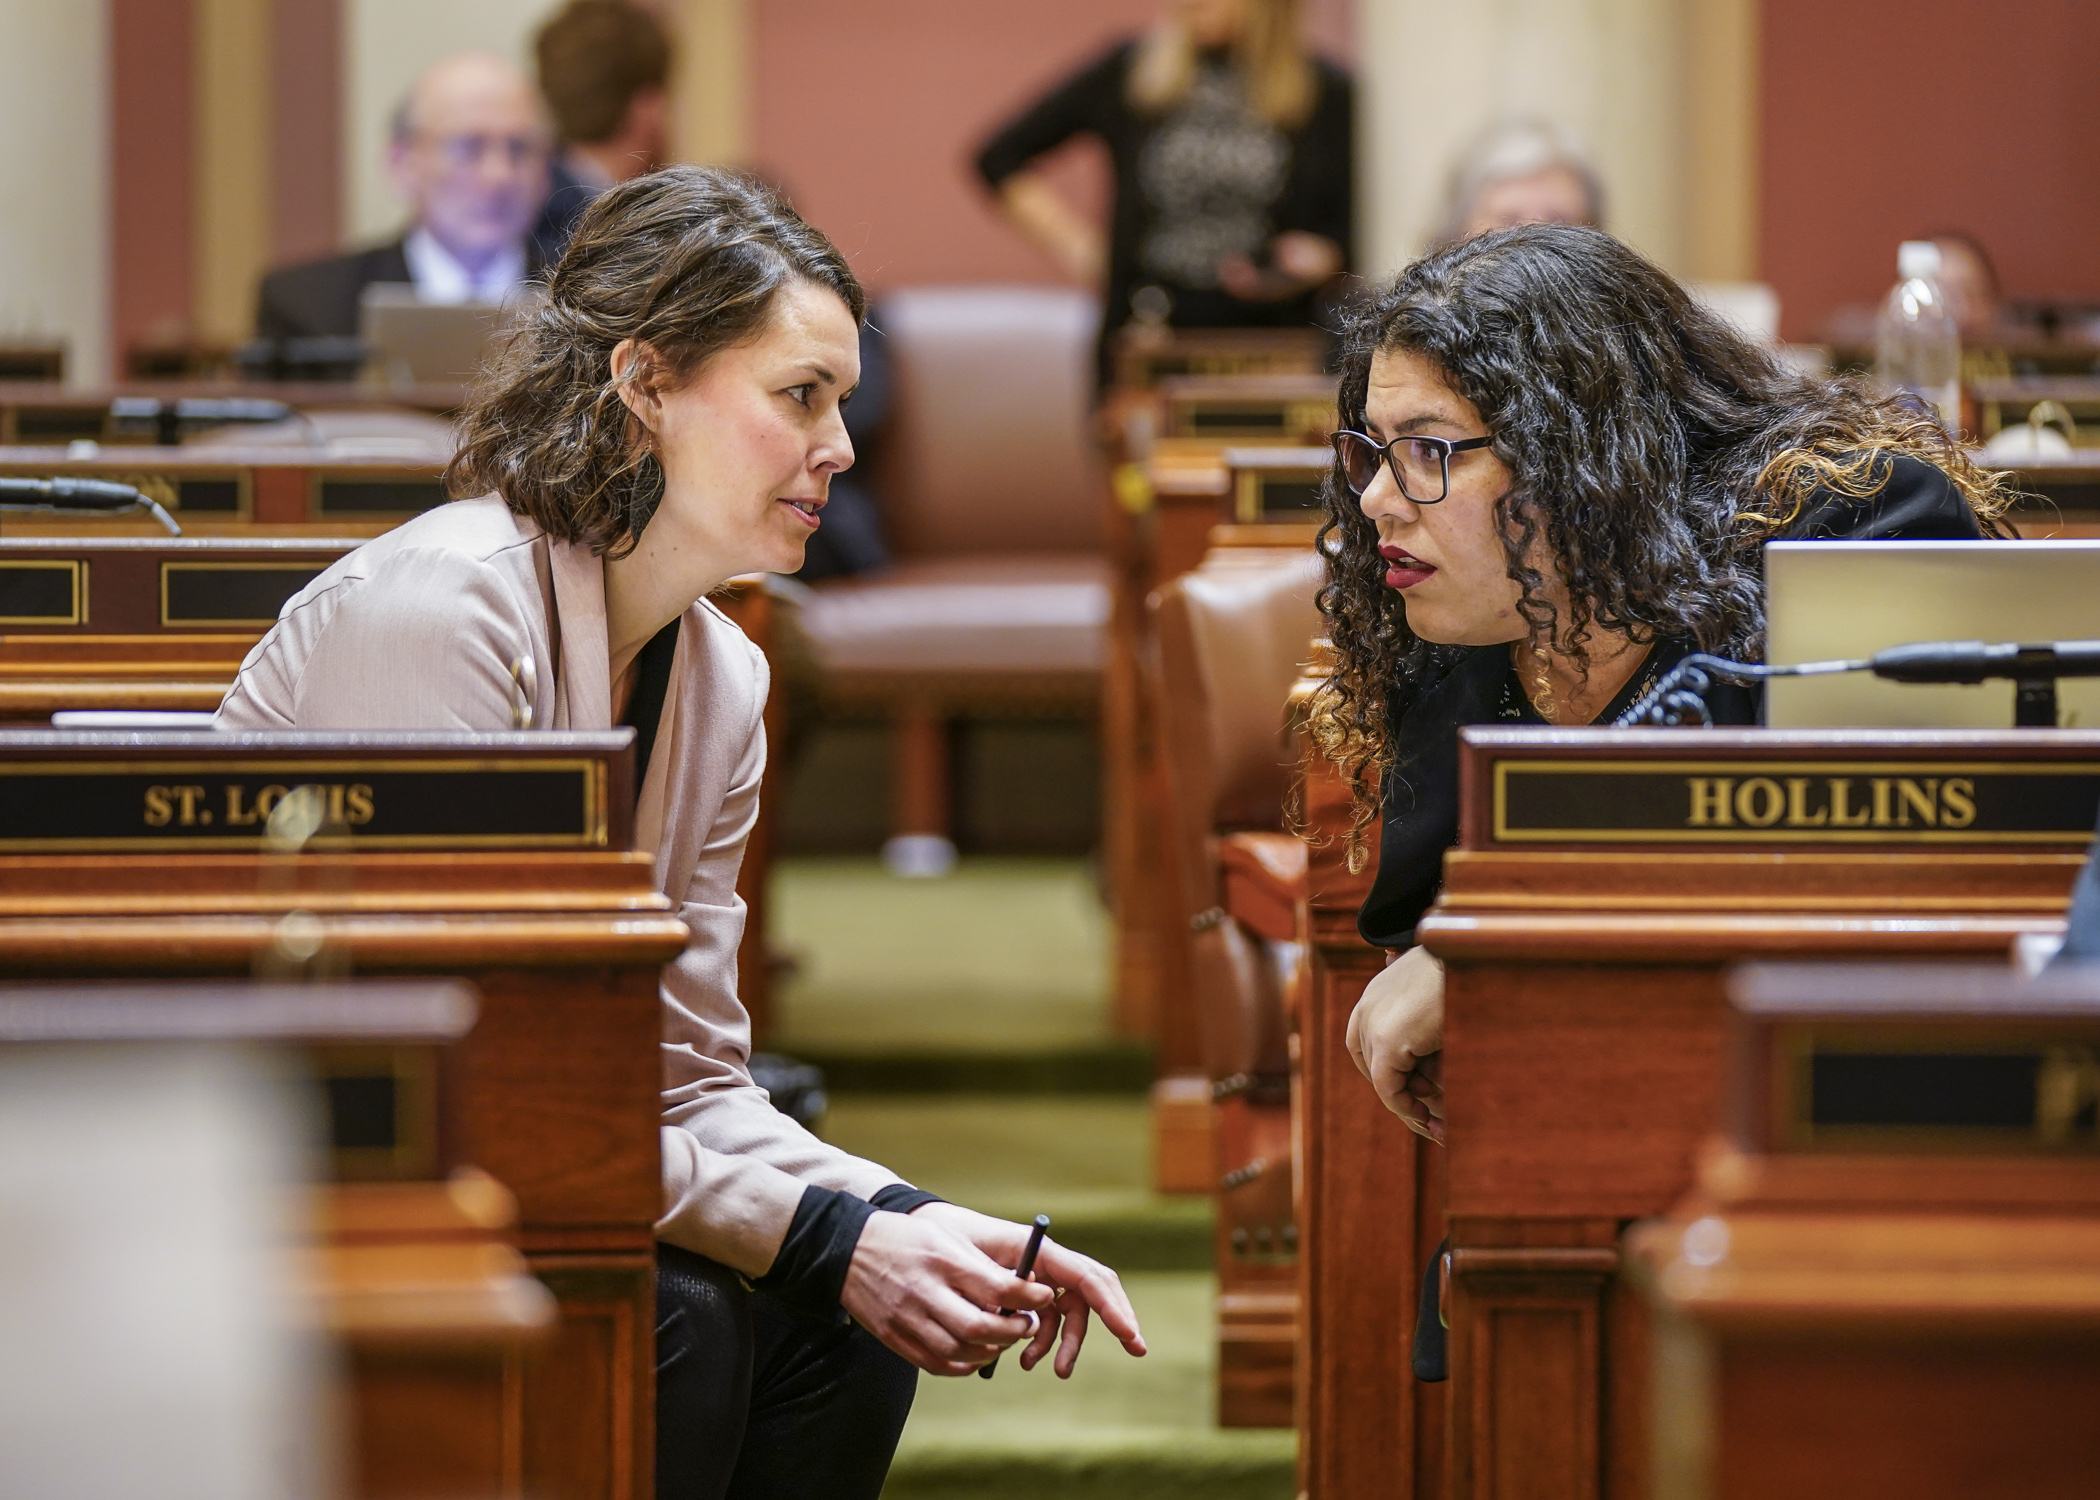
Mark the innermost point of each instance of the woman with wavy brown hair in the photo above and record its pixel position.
(668, 419)
(1555, 477)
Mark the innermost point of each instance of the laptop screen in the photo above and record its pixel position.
(1832, 600)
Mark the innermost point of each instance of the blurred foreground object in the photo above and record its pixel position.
(150, 1346)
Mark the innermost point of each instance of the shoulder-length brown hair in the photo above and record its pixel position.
(687, 261)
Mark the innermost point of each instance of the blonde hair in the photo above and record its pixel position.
(1270, 56)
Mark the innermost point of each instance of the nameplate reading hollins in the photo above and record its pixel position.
(1777, 802)
(248, 803)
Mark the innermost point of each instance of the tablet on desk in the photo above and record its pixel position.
(1828, 601)
(437, 343)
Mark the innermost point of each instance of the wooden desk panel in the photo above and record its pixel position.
(1585, 1011)
(220, 490)
(559, 1078)
(1844, 1310)
(1371, 1199)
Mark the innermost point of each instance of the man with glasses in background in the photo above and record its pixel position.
(469, 154)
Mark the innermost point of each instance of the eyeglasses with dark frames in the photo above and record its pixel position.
(1421, 465)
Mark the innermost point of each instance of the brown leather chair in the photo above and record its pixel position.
(1230, 639)
(999, 598)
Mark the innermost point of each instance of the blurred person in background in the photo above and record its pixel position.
(1520, 172)
(1969, 281)
(1233, 152)
(605, 69)
(469, 155)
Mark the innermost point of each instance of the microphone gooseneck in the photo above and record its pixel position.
(100, 495)
(1679, 699)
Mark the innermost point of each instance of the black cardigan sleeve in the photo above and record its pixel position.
(1091, 100)
(1915, 502)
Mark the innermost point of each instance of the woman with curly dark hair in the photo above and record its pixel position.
(1554, 480)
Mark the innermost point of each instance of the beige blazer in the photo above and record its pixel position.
(418, 630)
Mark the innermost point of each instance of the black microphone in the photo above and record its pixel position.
(81, 494)
(71, 494)
(1976, 661)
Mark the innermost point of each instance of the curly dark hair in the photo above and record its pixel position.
(686, 260)
(1652, 447)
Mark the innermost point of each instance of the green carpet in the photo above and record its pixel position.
(1120, 1427)
(964, 1026)
(1005, 956)
(1086, 1162)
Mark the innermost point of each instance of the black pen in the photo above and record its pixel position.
(1026, 1270)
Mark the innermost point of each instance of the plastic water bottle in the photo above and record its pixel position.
(1919, 348)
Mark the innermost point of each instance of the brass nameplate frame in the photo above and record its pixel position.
(1730, 801)
(1973, 1087)
(181, 584)
(488, 802)
(1275, 494)
(381, 1102)
(75, 613)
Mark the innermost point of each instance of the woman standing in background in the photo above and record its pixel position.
(1233, 152)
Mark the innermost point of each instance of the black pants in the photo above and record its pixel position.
(756, 1401)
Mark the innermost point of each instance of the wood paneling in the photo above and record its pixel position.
(1887, 120)
(1370, 1212)
(1585, 1017)
(558, 1085)
(150, 172)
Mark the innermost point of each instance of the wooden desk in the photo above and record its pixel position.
(1603, 883)
(2002, 403)
(438, 1318)
(2061, 496)
(1887, 1280)
(52, 413)
(502, 859)
(1278, 409)
(234, 490)
(140, 623)
(1371, 1193)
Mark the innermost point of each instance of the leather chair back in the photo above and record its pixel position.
(990, 444)
(1229, 642)
(1250, 623)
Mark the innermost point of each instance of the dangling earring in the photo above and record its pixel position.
(1540, 688)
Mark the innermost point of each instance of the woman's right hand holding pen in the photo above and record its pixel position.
(928, 1284)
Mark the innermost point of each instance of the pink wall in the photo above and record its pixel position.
(869, 114)
(1888, 119)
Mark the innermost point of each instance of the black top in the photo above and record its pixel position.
(1207, 179)
(645, 705)
(1420, 797)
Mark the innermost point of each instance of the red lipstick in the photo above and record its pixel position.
(1403, 569)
